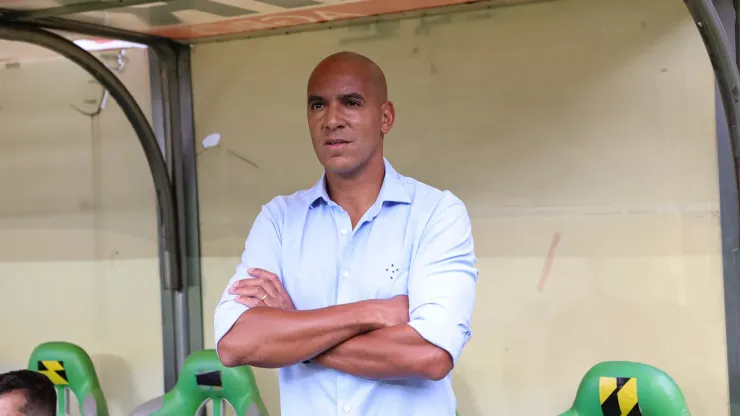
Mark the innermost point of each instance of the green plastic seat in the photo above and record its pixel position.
(204, 378)
(70, 368)
(623, 388)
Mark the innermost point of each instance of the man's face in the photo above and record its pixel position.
(12, 403)
(346, 116)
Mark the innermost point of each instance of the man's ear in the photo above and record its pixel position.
(388, 113)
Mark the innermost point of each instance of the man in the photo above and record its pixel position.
(26, 392)
(360, 289)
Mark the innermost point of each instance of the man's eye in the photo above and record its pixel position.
(352, 102)
(315, 106)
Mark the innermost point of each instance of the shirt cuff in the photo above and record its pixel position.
(437, 328)
(225, 317)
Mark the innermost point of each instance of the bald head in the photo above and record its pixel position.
(349, 114)
(354, 63)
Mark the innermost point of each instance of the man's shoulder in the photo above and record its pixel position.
(298, 200)
(430, 198)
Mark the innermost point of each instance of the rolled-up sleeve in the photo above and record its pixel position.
(443, 277)
(261, 250)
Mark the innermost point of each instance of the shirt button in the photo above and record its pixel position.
(343, 231)
(347, 408)
(345, 273)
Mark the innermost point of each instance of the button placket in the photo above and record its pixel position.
(343, 222)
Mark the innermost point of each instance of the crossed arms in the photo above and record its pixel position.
(367, 339)
(419, 336)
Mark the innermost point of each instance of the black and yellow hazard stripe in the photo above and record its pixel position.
(54, 370)
(618, 396)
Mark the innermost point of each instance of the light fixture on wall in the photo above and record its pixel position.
(106, 44)
(213, 141)
(225, 173)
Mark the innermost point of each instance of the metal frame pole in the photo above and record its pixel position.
(721, 56)
(721, 52)
(171, 90)
(173, 264)
(729, 214)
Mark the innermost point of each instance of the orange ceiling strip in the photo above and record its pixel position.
(319, 14)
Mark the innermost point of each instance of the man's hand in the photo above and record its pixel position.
(263, 289)
(276, 335)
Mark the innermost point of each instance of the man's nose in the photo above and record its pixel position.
(334, 119)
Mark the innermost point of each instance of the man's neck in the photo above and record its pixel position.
(356, 194)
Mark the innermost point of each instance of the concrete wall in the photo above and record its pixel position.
(78, 253)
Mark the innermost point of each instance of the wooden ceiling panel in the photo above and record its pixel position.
(203, 20)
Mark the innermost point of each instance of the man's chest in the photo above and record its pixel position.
(325, 262)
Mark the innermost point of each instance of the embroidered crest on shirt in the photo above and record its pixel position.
(392, 271)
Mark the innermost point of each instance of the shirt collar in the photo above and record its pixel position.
(392, 189)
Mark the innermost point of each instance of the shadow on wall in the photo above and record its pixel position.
(465, 394)
(267, 383)
(117, 383)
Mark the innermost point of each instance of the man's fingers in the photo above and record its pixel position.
(274, 302)
(275, 288)
(260, 273)
(253, 301)
(262, 284)
(271, 277)
(256, 290)
(266, 278)
(257, 278)
(249, 301)
(253, 291)
(249, 281)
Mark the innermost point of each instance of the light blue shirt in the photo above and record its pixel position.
(414, 240)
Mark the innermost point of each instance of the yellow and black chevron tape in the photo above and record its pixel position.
(618, 396)
(54, 370)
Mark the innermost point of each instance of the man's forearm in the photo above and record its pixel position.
(392, 353)
(273, 338)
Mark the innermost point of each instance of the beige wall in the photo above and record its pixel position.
(591, 120)
(78, 254)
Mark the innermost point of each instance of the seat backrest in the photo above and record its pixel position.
(203, 377)
(69, 367)
(623, 388)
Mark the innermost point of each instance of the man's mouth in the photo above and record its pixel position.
(336, 143)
